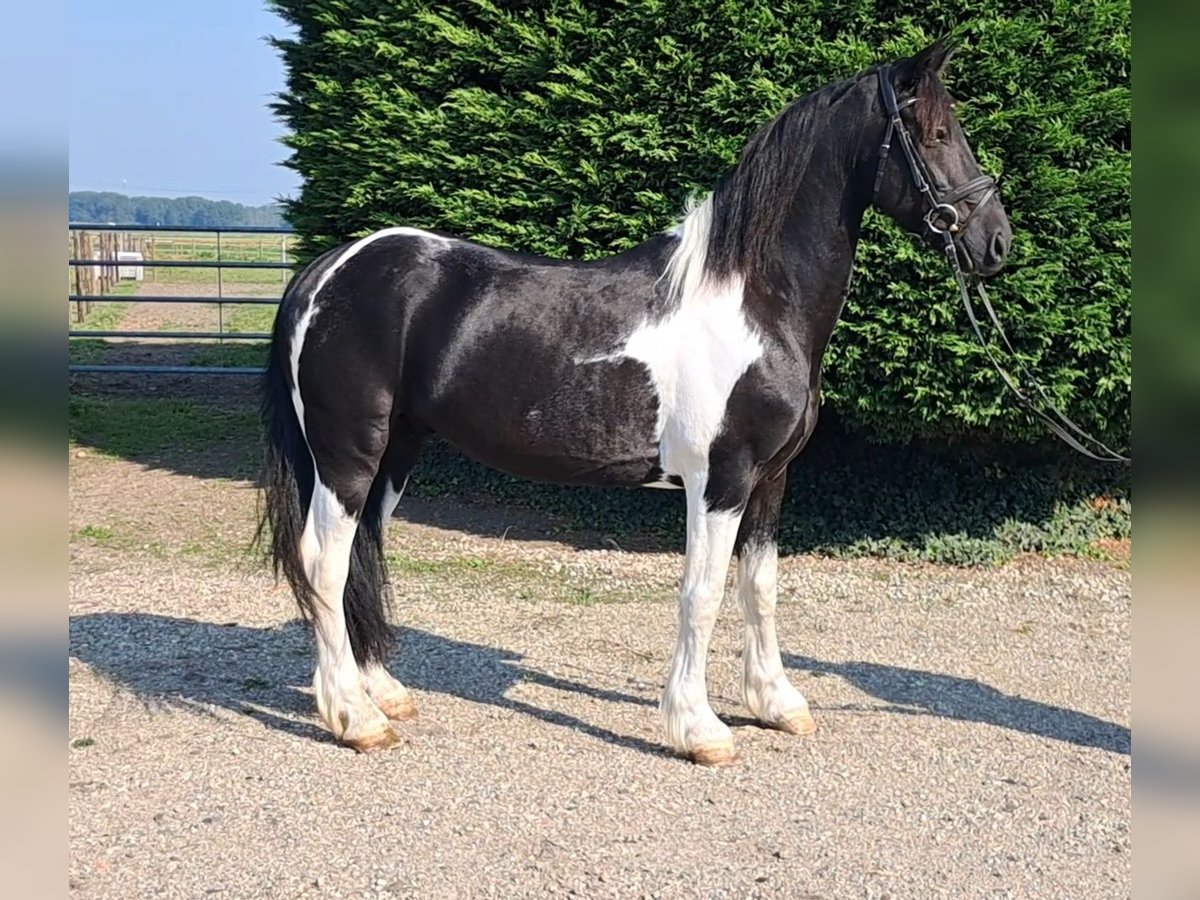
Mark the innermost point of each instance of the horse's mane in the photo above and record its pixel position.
(749, 205)
(732, 232)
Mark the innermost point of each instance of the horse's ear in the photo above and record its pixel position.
(930, 61)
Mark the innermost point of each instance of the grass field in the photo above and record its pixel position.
(232, 318)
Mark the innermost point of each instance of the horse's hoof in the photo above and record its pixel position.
(716, 756)
(402, 710)
(384, 739)
(798, 722)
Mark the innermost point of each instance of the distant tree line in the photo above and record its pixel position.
(107, 206)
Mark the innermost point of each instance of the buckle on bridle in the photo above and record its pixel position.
(943, 218)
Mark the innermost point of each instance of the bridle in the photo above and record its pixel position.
(942, 218)
(942, 214)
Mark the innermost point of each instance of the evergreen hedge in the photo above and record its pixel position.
(578, 129)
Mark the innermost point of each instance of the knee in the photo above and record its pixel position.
(699, 606)
(758, 572)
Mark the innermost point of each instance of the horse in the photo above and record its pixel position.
(692, 361)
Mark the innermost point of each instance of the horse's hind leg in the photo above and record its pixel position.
(326, 548)
(392, 697)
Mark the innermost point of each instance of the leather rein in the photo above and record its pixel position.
(943, 219)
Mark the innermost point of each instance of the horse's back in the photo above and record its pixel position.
(513, 358)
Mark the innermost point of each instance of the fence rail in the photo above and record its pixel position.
(95, 276)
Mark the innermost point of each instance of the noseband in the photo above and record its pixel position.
(942, 218)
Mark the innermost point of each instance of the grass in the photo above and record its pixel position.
(500, 577)
(145, 428)
(410, 565)
(100, 534)
(250, 318)
(83, 743)
(104, 316)
(253, 353)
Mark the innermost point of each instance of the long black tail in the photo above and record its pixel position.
(287, 485)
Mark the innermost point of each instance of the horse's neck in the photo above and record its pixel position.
(813, 258)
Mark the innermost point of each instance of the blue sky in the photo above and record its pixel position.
(174, 99)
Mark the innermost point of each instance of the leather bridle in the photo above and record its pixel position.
(942, 218)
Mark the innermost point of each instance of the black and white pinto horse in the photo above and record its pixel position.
(692, 360)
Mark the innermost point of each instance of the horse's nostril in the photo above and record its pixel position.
(999, 248)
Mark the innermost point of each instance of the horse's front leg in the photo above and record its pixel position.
(693, 729)
(766, 690)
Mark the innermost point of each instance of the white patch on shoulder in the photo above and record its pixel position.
(696, 354)
(306, 317)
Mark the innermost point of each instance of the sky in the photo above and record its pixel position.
(170, 98)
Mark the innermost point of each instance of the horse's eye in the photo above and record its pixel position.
(941, 135)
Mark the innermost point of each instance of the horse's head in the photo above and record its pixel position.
(927, 177)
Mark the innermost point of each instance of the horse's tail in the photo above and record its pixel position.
(288, 478)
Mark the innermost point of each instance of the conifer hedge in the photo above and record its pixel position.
(577, 129)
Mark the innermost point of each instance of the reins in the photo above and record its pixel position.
(943, 219)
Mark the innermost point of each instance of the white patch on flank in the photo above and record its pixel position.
(306, 318)
(297, 345)
(362, 243)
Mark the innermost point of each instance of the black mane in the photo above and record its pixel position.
(749, 205)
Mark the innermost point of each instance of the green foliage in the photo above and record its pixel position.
(577, 130)
(198, 212)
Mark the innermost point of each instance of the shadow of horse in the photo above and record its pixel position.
(919, 693)
(266, 672)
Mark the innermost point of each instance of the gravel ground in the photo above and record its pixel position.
(974, 733)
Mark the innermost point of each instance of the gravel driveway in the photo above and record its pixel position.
(974, 733)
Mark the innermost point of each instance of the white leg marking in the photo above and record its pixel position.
(392, 698)
(691, 724)
(391, 499)
(766, 690)
(325, 546)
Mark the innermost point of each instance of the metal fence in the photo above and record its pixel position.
(95, 276)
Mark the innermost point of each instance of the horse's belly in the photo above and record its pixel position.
(578, 423)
